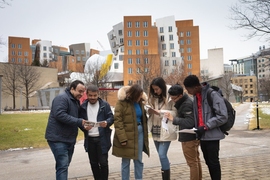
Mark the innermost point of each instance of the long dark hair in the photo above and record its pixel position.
(159, 81)
(134, 92)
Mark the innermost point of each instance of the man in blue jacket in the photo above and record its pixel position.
(62, 127)
(97, 132)
(208, 122)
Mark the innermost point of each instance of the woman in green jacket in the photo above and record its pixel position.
(131, 132)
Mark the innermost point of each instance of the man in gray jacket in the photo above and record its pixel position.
(185, 120)
(62, 127)
(208, 122)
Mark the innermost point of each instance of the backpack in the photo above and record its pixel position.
(231, 112)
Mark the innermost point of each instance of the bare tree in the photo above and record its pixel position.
(4, 3)
(28, 78)
(147, 68)
(177, 75)
(252, 15)
(10, 82)
(265, 88)
(226, 85)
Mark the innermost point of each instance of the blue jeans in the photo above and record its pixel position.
(138, 164)
(62, 154)
(162, 149)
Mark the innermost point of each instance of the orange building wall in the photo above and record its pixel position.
(93, 51)
(152, 45)
(185, 26)
(14, 52)
(34, 41)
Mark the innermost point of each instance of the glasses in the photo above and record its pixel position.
(174, 97)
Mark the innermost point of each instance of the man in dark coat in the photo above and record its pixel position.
(185, 120)
(62, 127)
(97, 134)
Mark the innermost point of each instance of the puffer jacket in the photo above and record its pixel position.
(210, 120)
(155, 121)
(104, 114)
(126, 128)
(63, 121)
(185, 117)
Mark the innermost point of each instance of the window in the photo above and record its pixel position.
(181, 50)
(188, 33)
(251, 91)
(171, 37)
(25, 53)
(120, 32)
(13, 60)
(116, 65)
(166, 63)
(161, 30)
(145, 33)
(120, 57)
(181, 34)
(164, 54)
(162, 38)
(25, 60)
(137, 42)
(44, 48)
(77, 52)
(78, 58)
(129, 52)
(137, 24)
(121, 40)
(130, 82)
(145, 24)
(145, 51)
(171, 45)
(188, 41)
(146, 61)
(129, 60)
(82, 52)
(122, 49)
(189, 50)
(137, 33)
(84, 58)
(129, 24)
(129, 33)
(138, 51)
(138, 70)
(45, 55)
(181, 42)
(13, 53)
(189, 66)
(19, 53)
(146, 70)
(163, 46)
(13, 46)
(189, 58)
(129, 42)
(173, 54)
(19, 60)
(182, 57)
(174, 62)
(250, 80)
(138, 60)
(50, 49)
(170, 28)
(145, 42)
(129, 70)
(19, 46)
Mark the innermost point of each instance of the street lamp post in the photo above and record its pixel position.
(257, 103)
(1, 93)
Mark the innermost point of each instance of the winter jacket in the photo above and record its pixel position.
(126, 128)
(63, 120)
(155, 121)
(185, 117)
(104, 114)
(211, 121)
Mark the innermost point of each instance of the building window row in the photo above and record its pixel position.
(188, 34)
(161, 29)
(137, 24)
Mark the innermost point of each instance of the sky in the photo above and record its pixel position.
(66, 22)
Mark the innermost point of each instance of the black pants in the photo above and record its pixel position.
(210, 151)
(98, 161)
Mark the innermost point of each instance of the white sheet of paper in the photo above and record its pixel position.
(188, 131)
(164, 124)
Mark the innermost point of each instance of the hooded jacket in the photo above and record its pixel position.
(211, 121)
(104, 114)
(126, 128)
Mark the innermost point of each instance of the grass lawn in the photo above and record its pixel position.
(24, 130)
(264, 117)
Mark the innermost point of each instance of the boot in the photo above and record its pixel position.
(165, 174)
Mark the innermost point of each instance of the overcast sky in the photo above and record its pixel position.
(66, 22)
